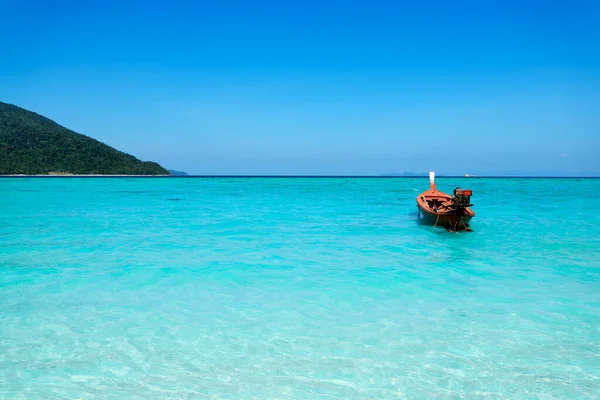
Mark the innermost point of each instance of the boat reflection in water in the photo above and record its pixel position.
(440, 209)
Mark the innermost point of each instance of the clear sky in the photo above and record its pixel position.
(317, 87)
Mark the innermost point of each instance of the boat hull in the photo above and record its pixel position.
(451, 219)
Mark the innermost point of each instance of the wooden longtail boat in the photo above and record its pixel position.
(441, 209)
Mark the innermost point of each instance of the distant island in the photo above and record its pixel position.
(406, 174)
(31, 144)
(178, 173)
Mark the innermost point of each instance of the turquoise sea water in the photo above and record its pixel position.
(297, 289)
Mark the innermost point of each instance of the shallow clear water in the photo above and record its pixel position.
(296, 289)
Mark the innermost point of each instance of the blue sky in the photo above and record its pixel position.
(317, 87)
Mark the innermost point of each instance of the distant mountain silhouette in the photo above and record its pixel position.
(178, 173)
(406, 174)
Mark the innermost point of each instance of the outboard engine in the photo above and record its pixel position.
(462, 198)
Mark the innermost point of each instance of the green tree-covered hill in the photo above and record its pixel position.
(32, 144)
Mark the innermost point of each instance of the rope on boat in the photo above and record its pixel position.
(454, 226)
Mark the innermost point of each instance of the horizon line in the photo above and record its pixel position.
(305, 176)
